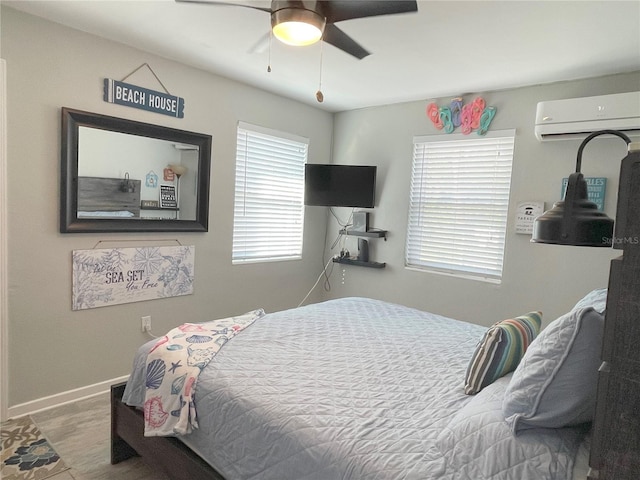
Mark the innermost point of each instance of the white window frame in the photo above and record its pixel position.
(459, 203)
(269, 195)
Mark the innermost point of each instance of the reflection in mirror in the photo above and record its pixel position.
(120, 175)
(114, 155)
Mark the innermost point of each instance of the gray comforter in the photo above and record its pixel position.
(359, 389)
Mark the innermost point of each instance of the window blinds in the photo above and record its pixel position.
(269, 195)
(458, 204)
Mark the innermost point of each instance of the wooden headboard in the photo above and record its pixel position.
(99, 194)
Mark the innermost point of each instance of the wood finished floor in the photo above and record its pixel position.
(80, 433)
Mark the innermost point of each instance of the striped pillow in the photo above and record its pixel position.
(500, 350)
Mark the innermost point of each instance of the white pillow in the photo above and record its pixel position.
(555, 383)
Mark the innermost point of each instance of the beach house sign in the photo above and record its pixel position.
(129, 95)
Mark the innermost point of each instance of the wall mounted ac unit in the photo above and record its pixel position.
(578, 117)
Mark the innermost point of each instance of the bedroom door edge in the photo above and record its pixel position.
(4, 309)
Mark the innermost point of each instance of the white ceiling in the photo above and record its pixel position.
(448, 48)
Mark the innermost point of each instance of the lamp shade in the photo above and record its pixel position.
(297, 26)
(574, 221)
(179, 170)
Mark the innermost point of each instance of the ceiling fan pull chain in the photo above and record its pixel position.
(270, 37)
(319, 95)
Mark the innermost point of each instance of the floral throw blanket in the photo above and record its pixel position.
(173, 366)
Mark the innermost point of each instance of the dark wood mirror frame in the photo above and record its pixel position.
(72, 120)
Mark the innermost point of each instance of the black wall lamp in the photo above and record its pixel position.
(127, 186)
(576, 220)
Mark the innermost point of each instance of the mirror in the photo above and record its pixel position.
(120, 175)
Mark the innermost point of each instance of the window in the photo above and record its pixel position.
(458, 203)
(269, 195)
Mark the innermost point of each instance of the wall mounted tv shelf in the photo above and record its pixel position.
(359, 263)
(373, 233)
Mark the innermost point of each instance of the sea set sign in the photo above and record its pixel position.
(129, 95)
(103, 277)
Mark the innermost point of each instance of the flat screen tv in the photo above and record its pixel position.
(340, 185)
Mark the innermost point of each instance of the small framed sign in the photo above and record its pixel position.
(168, 174)
(526, 214)
(168, 197)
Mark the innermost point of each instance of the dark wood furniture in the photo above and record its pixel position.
(166, 454)
(107, 195)
(615, 450)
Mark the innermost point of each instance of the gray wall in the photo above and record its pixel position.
(53, 349)
(540, 277)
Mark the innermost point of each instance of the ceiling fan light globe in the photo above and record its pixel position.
(297, 33)
(297, 27)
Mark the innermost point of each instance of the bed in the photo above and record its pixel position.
(351, 388)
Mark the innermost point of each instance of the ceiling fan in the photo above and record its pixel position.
(306, 22)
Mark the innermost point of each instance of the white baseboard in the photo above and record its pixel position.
(63, 398)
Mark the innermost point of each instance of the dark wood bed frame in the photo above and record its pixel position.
(166, 454)
(616, 430)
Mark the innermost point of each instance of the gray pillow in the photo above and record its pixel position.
(555, 383)
(596, 299)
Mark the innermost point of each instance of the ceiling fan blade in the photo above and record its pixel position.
(336, 37)
(261, 45)
(336, 11)
(224, 4)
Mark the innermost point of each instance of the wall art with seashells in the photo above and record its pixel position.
(103, 277)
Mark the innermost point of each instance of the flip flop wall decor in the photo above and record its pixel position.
(470, 116)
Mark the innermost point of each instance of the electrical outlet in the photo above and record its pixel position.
(146, 323)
